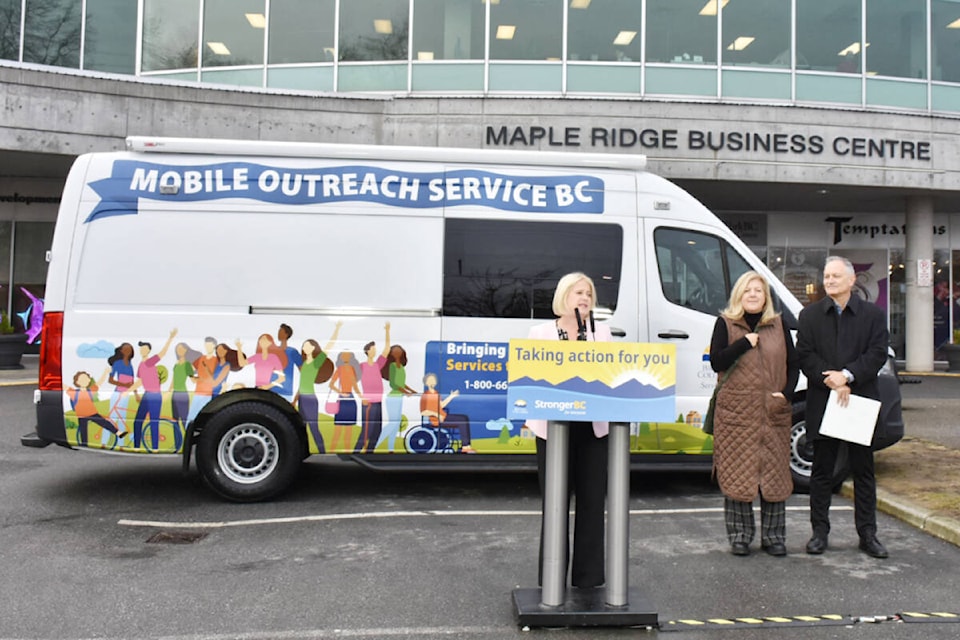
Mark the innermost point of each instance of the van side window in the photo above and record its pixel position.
(510, 268)
(697, 271)
(691, 269)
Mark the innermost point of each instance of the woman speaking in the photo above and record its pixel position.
(573, 304)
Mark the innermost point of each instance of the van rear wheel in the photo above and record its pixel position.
(248, 451)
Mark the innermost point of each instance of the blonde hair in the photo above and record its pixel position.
(734, 309)
(566, 283)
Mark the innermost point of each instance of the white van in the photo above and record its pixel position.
(256, 302)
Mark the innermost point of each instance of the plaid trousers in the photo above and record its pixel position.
(738, 517)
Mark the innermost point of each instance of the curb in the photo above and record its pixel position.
(947, 529)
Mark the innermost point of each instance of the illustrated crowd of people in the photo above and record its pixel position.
(274, 365)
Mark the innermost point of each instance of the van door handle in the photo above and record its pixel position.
(674, 335)
(619, 333)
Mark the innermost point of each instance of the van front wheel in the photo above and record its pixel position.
(248, 452)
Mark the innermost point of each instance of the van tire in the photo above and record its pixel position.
(801, 455)
(248, 451)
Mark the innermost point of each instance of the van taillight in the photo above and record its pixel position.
(51, 341)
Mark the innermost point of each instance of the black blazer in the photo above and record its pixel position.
(857, 342)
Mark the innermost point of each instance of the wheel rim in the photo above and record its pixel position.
(247, 453)
(801, 451)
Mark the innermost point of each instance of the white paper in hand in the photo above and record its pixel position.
(854, 422)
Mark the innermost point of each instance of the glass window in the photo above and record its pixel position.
(828, 35)
(374, 29)
(693, 269)
(697, 271)
(898, 303)
(897, 38)
(10, 29)
(606, 30)
(171, 31)
(110, 42)
(945, 32)
(51, 32)
(942, 304)
(302, 31)
(683, 31)
(6, 228)
(756, 33)
(531, 30)
(33, 240)
(510, 269)
(448, 29)
(233, 32)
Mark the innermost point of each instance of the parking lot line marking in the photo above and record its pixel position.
(400, 514)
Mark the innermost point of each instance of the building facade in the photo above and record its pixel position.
(811, 127)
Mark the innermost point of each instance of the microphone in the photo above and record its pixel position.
(581, 326)
(593, 327)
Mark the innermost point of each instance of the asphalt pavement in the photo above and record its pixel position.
(931, 411)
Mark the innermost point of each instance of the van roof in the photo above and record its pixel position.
(224, 147)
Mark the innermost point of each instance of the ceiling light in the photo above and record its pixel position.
(853, 49)
(506, 31)
(741, 43)
(424, 55)
(490, 1)
(954, 25)
(710, 9)
(624, 38)
(219, 48)
(256, 20)
(579, 4)
(383, 26)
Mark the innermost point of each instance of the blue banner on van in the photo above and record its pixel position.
(132, 180)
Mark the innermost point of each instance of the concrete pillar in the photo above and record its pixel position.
(919, 312)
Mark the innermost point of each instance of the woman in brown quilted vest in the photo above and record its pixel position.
(752, 420)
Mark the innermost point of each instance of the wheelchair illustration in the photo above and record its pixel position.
(427, 438)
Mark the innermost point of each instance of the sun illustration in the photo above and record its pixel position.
(658, 377)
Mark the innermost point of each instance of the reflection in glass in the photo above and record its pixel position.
(526, 30)
(800, 269)
(233, 32)
(756, 33)
(171, 30)
(32, 239)
(51, 32)
(510, 269)
(897, 38)
(897, 320)
(828, 35)
(110, 42)
(10, 29)
(448, 29)
(301, 31)
(941, 298)
(606, 30)
(682, 31)
(374, 30)
(945, 33)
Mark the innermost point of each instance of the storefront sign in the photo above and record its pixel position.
(751, 142)
(566, 380)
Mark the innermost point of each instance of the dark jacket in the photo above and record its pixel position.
(857, 342)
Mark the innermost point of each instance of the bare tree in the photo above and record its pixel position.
(52, 33)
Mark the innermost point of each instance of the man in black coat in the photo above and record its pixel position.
(842, 343)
